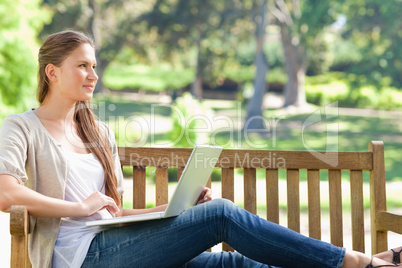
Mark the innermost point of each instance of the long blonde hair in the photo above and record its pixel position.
(56, 48)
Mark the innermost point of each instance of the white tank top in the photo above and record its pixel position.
(74, 238)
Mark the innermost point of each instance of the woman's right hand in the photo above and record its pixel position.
(38, 205)
(98, 201)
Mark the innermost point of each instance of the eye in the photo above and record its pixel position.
(82, 65)
(94, 67)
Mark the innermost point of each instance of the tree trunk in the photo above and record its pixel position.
(196, 86)
(295, 67)
(254, 108)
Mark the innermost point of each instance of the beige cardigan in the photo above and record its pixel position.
(30, 154)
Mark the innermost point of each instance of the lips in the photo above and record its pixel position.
(89, 87)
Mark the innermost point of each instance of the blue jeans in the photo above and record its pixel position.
(181, 242)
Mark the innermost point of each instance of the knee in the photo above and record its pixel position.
(222, 203)
(219, 208)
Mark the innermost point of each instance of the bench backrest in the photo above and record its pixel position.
(270, 161)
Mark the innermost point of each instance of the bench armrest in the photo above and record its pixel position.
(387, 221)
(19, 221)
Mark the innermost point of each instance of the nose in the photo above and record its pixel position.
(92, 75)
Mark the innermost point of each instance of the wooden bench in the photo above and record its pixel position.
(270, 161)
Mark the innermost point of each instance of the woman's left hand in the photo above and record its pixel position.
(205, 196)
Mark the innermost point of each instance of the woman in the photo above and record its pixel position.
(70, 164)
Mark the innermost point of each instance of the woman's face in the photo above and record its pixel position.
(76, 77)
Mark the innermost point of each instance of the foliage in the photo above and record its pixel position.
(275, 55)
(350, 92)
(243, 74)
(165, 77)
(305, 21)
(209, 28)
(20, 20)
(191, 122)
(112, 23)
(374, 26)
(364, 40)
(158, 78)
(342, 53)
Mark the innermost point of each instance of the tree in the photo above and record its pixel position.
(191, 24)
(300, 22)
(300, 25)
(376, 28)
(112, 23)
(19, 23)
(254, 108)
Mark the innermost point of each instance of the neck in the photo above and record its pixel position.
(57, 111)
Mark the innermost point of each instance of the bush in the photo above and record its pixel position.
(190, 122)
(350, 91)
(154, 78)
(323, 89)
(244, 74)
(390, 98)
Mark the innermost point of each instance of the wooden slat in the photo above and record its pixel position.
(228, 183)
(139, 187)
(267, 159)
(314, 207)
(335, 207)
(272, 189)
(171, 157)
(161, 185)
(293, 199)
(228, 193)
(209, 183)
(357, 206)
(250, 190)
(179, 172)
(379, 241)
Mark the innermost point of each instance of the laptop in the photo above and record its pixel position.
(191, 184)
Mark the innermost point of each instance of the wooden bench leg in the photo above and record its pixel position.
(19, 252)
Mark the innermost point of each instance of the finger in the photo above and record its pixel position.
(207, 189)
(202, 195)
(109, 203)
(112, 206)
(208, 194)
(204, 199)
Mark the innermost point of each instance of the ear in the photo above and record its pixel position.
(51, 72)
